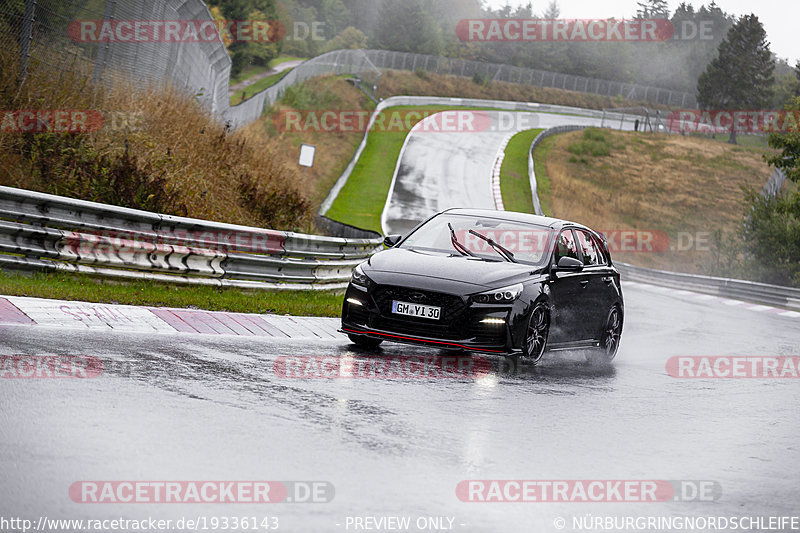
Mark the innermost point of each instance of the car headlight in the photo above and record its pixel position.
(359, 278)
(499, 296)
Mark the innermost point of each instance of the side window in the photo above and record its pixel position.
(591, 254)
(566, 246)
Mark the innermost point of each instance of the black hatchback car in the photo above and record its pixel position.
(491, 282)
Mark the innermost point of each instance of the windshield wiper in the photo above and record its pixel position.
(504, 252)
(460, 248)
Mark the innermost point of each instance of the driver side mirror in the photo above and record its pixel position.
(569, 264)
(391, 240)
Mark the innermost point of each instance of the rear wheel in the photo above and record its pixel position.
(362, 341)
(536, 333)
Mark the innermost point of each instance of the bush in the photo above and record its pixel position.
(772, 237)
(303, 97)
(481, 79)
(595, 143)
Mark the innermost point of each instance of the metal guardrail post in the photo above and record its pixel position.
(25, 39)
(102, 52)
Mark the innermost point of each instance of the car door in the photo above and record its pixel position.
(597, 295)
(567, 290)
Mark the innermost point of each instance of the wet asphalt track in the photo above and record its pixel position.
(179, 407)
(440, 170)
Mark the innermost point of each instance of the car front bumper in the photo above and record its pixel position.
(461, 326)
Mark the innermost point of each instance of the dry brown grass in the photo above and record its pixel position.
(656, 182)
(426, 84)
(178, 158)
(334, 149)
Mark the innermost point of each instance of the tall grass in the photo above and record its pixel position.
(174, 156)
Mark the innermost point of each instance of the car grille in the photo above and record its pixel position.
(453, 323)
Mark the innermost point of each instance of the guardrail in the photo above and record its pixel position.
(51, 233)
(537, 206)
(751, 291)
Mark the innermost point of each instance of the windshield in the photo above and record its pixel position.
(528, 242)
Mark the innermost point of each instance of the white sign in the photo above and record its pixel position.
(307, 153)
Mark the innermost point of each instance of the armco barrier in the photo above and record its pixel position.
(762, 293)
(44, 232)
(537, 205)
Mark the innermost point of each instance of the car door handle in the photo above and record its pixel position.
(585, 282)
(608, 279)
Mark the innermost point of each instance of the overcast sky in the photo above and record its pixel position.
(780, 17)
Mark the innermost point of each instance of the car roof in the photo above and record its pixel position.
(555, 223)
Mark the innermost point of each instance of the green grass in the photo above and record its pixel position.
(361, 201)
(239, 96)
(285, 59)
(514, 180)
(247, 73)
(542, 181)
(145, 293)
(253, 70)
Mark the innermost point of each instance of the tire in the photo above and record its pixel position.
(609, 340)
(362, 341)
(536, 333)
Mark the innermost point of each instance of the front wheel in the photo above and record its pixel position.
(536, 333)
(612, 333)
(362, 341)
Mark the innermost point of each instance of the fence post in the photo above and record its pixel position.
(102, 52)
(25, 39)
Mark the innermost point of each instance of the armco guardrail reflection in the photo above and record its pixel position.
(51, 233)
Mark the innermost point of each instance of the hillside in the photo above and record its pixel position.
(688, 187)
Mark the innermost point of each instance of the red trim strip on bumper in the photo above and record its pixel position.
(422, 340)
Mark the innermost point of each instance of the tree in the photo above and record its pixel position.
(407, 27)
(741, 76)
(553, 11)
(350, 39)
(772, 231)
(653, 9)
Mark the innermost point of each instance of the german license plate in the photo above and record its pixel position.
(416, 310)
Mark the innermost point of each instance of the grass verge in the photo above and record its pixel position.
(514, 181)
(361, 201)
(240, 96)
(146, 293)
(542, 179)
